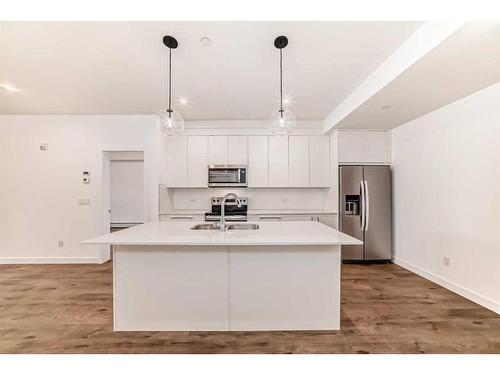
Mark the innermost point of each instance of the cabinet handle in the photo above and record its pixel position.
(181, 217)
(270, 217)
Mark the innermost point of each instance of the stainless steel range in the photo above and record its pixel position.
(232, 211)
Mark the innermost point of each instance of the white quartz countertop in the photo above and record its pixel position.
(269, 233)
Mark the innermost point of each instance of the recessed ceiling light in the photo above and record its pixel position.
(205, 42)
(9, 88)
(183, 101)
(386, 107)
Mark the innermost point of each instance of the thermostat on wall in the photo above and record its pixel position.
(86, 177)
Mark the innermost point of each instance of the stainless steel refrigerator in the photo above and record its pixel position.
(365, 211)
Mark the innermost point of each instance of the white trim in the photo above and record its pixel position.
(53, 260)
(458, 289)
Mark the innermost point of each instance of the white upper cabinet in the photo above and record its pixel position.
(177, 160)
(376, 147)
(217, 150)
(237, 150)
(197, 161)
(258, 161)
(350, 146)
(371, 146)
(298, 171)
(273, 161)
(278, 161)
(319, 161)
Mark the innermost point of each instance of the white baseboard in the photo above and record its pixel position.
(53, 260)
(464, 292)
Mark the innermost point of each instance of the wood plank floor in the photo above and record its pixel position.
(385, 309)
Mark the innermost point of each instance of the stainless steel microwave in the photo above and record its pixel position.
(227, 175)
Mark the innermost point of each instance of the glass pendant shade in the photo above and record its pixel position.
(171, 122)
(282, 122)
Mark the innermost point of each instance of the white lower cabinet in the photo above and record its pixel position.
(182, 217)
(327, 219)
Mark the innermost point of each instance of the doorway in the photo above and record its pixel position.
(123, 190)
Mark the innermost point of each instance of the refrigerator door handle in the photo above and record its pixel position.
(363, 206)
(367, 204)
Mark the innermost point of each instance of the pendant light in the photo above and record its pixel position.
(171, 121)
(282, 121)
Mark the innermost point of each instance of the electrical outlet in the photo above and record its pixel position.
(44, 146)
(60, 243)
(446, 260)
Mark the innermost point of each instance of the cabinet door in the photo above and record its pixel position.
(350, 146)
(375, 147)
(319, 161)
(217, 150)
(237, 150)
(177, 161)
(258, 161)
(278, 161)
(298, 164)
(197, 165)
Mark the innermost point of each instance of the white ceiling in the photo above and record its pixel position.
(120, 67)
(465, 62)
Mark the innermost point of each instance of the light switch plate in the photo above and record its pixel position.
(83, 202)
(44, 146)
(446, 261)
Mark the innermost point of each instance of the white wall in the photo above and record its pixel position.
(447, 196)
(40, 189)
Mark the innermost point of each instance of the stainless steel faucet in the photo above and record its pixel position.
(222, 209)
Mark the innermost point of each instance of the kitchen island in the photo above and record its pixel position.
(282, 276)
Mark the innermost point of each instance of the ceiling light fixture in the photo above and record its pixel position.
(171, 121)
(205, 42)
(9, 88)
(282, 121)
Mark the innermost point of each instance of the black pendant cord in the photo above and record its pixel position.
(170, 81)
(281, 82)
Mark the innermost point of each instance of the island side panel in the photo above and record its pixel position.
(284, 288)
(170, 288)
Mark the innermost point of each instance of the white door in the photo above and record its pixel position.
(177, 161)
(197, 161)
(217, 150)
(127, 191)
(258, 161)
(298, 165)
(278, 161)
(237, 150)
(319, 161)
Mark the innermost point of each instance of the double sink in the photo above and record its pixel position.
(215, 226)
